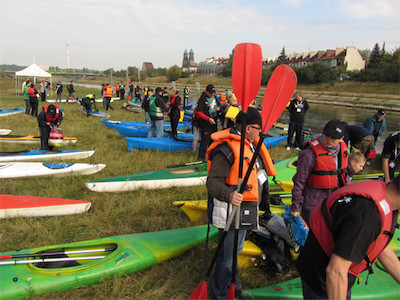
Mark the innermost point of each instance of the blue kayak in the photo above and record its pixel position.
(11, 111)
(139, 131)
(137, 143)
(166, 125)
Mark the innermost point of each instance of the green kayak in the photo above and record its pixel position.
(190, 174)
(82, 263)
(285, 170)
(380, 285)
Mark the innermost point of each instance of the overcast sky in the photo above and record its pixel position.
(116, 34)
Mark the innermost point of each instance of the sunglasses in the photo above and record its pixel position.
(255, 127)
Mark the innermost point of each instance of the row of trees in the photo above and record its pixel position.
(381, 66)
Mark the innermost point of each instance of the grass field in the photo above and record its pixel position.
(111, 213)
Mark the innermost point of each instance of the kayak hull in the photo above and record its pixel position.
(192, 175)
(31, 206)
(5, 131)
(11, 111)
(133, 252)
(173, 145)
(43, 155)
(142, 131)
(30, 139)
(196, 210)
(36, 169)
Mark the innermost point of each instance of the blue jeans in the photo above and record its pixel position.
(223, 265)
(156, 126)
(27, 106)
(295, 127)
(146, 116)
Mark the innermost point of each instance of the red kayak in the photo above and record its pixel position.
(31, 206)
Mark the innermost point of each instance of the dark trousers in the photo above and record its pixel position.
(205, 133)
(88, 106)
(43, 96)
(295, 127)
(309, 293)
(108, 103)
(33, 101)
(174, 116)
(44, 138)
(122, 94)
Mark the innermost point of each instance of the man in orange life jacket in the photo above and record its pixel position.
(348, 231)
(223, 167)
(321, 169)
(51, 115)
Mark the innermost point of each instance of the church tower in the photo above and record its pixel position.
(191, 58)
(185, 62)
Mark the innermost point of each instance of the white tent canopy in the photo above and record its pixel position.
(32, 71)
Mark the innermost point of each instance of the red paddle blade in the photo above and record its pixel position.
(200, 292)
(246, 72)
(231, 292)
(279, 90)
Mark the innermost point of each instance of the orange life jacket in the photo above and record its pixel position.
(233, 141)
(325, 174)
(108, 91)
(320, 219)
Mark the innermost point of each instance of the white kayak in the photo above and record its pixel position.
(43, 155)
(37, 169)
(100, 100)
(5, 131)
(30, 206)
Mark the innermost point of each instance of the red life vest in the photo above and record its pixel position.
(325, 174)
(50, 118)
(31, 92)
(233, 141)
(320, 220)
(174, 99)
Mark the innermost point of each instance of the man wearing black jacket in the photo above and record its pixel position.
(207, 114)
(297, 110)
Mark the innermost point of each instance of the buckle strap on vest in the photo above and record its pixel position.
(331, 172)
(325, 214)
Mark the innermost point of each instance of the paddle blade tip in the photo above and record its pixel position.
(200, 292)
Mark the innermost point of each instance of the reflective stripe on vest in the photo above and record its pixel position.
(154, 110)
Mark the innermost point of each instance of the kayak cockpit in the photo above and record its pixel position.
(70, 256)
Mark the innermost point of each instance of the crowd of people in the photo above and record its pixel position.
(340, 243)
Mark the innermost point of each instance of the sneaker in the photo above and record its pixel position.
(297, 148)
(288, 148)
(243, 294)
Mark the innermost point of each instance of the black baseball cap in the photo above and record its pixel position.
(335, 129)
(381, 112)
(252, 117)
(210, 88)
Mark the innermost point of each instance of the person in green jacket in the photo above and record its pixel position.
(26, 97)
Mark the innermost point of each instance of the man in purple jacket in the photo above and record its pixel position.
(321, 169)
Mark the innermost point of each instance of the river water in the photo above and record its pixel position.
(318, 115)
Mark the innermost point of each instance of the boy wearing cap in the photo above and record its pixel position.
(376, 124)
(223, 167)
(321, 169)
(207, 114)
(391, 155)
(51, 115)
